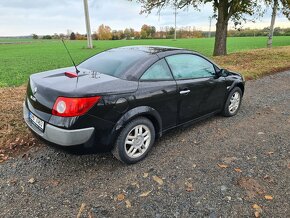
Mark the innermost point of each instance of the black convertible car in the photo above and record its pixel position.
(125, 98)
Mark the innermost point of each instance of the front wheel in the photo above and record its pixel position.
(134, 141)
(233, 102)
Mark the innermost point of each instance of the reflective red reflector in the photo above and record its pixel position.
(71, 74)
(72, 107)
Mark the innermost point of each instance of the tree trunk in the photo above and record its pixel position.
(220, 46)
(273, 17)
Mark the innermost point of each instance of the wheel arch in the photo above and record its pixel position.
(241, 86)
(238, 84)
(142, 111)
(155, 122)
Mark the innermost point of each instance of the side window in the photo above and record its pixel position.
(188, 66)
(158, 71)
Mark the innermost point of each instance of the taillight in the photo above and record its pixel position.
(71, 107)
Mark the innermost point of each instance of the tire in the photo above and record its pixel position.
(136, 142)
(233, 103)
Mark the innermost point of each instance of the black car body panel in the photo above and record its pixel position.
(125, 96)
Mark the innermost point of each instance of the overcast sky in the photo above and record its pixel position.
(24, 17)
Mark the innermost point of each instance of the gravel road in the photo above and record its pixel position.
(221, 167)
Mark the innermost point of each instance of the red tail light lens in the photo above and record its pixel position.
(71, 74)
(72, 107)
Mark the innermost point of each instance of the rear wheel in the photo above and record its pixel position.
(233, 102)
(134, 141)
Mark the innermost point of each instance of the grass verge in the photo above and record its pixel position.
(14, 136)
(257, 63)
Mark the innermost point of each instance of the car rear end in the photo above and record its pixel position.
(67, 108)
(71, 111)
(57, 119)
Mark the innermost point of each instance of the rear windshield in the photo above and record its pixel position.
(113, 62)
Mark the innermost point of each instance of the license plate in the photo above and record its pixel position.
(36, 121)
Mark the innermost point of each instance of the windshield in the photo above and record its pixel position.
(113, 62)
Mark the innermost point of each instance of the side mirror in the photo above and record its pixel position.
(221, 72)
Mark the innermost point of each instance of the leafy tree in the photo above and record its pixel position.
(104, 32)
(143, 34)
(72, 36)
(147, 31)
(47, 37)
(171, 31)
(115, 35)
(121, 34)
(80, 37)
(152, 31)
(34, 36)
(118, 34)
(132, 32)
(277, 5)
(127, 33)
(137, 35)
(225, 10)
(94, 36)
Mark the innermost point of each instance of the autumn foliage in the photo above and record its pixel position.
(104, 32)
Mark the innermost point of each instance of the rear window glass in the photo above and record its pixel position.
(113, 62)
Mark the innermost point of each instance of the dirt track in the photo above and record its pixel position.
(220, 167)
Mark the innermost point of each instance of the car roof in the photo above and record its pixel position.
(149, 49)
(144, 56)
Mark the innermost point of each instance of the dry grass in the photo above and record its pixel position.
(256, 63)
(14, 136)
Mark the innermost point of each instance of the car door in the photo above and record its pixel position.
(200, 90)
(157, 89)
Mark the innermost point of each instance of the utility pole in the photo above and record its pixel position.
(175, 14)
(88, 26)
(209, 32)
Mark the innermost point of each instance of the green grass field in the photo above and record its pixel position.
(23, 57)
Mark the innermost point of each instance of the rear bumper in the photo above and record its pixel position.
(58, 135)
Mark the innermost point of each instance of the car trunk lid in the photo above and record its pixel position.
(44, 88)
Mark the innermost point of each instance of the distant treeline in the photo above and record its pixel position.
(150, 32)
(259, 32)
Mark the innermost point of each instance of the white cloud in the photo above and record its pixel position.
(18, 17)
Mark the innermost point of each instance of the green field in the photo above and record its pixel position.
(23, 57)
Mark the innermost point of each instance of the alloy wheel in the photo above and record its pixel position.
(137, 141)
(234, 102)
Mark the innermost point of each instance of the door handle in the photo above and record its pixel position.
(184, 92)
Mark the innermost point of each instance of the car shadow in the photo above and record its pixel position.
(76, 149)
(83, 150)
(79, 149)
